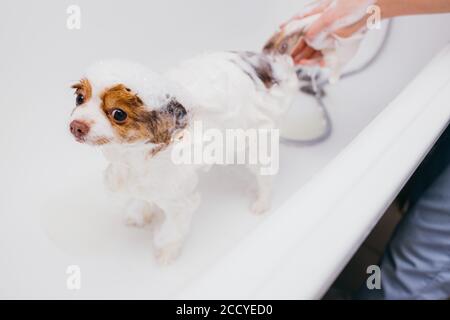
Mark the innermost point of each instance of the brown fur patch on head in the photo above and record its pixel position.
(84, 88)
(281, 43)
(141, 123)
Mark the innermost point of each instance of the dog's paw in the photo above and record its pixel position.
(135, 220)
(260, 206)
(167, 254)
(138, 214)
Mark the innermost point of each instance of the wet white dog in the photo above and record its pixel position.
(137, 116)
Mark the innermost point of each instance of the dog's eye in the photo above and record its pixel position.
(119, 115)
(283, 47)
(79, 99)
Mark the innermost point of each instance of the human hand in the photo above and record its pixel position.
(342, 18)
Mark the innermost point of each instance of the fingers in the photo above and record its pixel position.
(351, 30)
(306, 54)
(299, 47)
(315, 59)
(316, 56)
(321, 25)
(309, 10)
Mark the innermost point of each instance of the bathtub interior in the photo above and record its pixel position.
(54, 209)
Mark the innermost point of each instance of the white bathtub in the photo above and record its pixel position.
(54, 212)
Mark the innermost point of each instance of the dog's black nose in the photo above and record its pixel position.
(79, 129)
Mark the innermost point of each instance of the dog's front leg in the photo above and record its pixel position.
(138, 213)
(174, 226)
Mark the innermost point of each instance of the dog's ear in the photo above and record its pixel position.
(271, 44)
(178, 112)
(77, 86)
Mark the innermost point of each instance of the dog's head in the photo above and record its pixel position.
(124, 103)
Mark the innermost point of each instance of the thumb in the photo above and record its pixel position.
(321, 25)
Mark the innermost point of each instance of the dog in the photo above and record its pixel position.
(137, 117)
